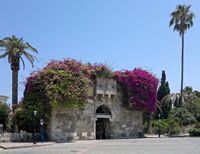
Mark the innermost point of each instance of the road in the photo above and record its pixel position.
(123, 146)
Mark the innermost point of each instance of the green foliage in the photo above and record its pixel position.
(163, 90)
(167, 126)
(177, 119)
(197, 93)
(25, 119)
(60, 88)
(193, 107)
(194, 132)
(166, 108)
(100, 70)
(182, 18)
(182, 116)
(188, 89)
(14, 49)
(51, 88)
(4, 115)
(66, 89)
(173, 126)
(174, 98)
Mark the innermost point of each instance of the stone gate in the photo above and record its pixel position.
(103, 117)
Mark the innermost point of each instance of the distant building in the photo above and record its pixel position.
(3, 98)
(104, 117)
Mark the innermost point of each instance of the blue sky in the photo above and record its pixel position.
(122, 33)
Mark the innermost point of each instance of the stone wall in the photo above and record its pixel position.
(17, 137)
(72, 124)
(68, 124)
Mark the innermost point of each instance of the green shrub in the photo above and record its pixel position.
(194, 108)
(174, 128)
(182, 116)
(168, 126)
(194, 132)
(4, 115)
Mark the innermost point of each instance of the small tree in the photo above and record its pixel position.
(163, 90)
(4, 115)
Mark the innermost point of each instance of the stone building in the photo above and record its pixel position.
(3, 98)
(103, 117)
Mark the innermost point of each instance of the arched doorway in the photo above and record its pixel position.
(103, 124)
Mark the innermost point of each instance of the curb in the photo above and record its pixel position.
(2, 147)
(24, 146)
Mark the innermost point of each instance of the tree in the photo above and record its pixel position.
(190, 94)
(182, 20)
(197, 93)
(14, 48)
(4, 115)
(163, 90)
(174, 99)
(193, 107)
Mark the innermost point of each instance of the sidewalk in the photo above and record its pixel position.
(154, 136)
(17, 145)
(165, 135)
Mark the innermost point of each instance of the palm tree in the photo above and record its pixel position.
(182, 20)
(14, 48)
(174, 99)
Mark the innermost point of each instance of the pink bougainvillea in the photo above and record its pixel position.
(141, 88)
(67, 80)
(64, 81)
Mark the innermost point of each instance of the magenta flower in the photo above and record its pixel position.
(142, 88)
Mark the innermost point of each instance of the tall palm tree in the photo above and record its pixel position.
(14, 48)
(182, 20)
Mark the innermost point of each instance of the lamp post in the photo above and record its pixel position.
(42, 130)
(34, 129)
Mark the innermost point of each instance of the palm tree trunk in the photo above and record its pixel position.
(14, 96)
(182, 69)
(14, 89)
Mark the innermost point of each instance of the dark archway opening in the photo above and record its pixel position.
(103, 124)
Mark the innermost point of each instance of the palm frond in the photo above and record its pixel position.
(22, 62)
(174, 98)
(182, 18)
(158, 105)
(15, 47)
(4, 55)
(29, 57)
(32, 48)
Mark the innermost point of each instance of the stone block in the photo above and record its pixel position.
(84, 134)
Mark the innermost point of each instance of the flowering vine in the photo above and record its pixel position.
(68, 83)
(141, 88)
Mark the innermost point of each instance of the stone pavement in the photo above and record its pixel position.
(17, 145)
(153, 136)
(175, 145)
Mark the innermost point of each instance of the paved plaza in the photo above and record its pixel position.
(122, 146)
